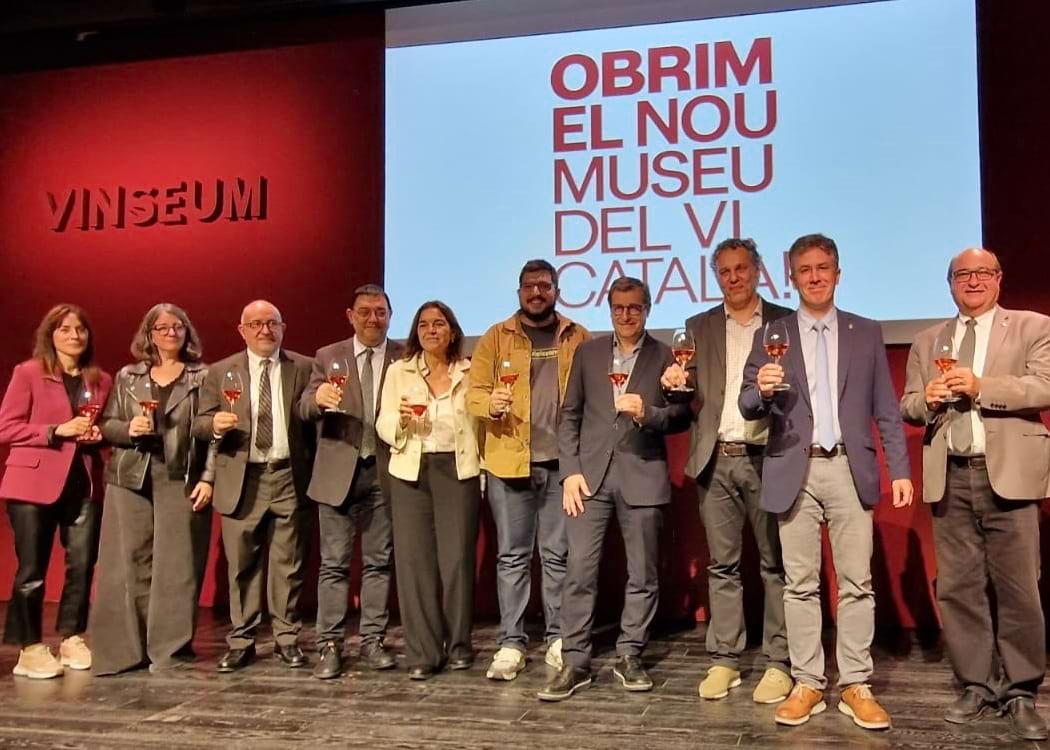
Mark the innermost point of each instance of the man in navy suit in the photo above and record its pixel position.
(820, 466)
(613, 462)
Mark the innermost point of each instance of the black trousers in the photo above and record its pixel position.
(77, 518)
(983, 541)
(367, 513)
(435, 536)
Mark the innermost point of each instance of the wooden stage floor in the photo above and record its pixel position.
(271, 706)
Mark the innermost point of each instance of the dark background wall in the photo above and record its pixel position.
(296, 96)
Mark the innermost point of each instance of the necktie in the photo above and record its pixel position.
(264, 423)
(823, 410)
(368, 435)
(962, 424)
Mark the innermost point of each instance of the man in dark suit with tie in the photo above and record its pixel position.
(613, 461)
(261, 473)
(349, 481)
(986, 470)
(820, 466)
(725, 459)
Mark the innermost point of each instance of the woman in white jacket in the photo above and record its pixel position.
(435, 491)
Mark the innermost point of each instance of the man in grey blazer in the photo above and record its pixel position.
(725, 459)
(986, 468)
(261, 471)
(820, 466)
(613, 461)
(349, 482)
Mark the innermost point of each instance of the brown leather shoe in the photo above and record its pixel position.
(802, 703)
(858, 703)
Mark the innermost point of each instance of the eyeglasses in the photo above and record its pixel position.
(964, 275)
(176, 328)
(623, 311)
(378, 312)
(539, 286)
(258, 325)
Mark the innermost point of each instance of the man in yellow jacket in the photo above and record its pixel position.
(518, 375)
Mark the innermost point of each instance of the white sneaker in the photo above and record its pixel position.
(506, 664)
(74, 653)
(37, 662)
(553, 657)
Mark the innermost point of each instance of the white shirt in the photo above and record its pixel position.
(378, 355)
(732, 427)
(982, 332)
(279, 449)
(439, 435)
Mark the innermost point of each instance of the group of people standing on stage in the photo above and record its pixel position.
(390, 442)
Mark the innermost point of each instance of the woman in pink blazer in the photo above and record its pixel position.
(53, 479)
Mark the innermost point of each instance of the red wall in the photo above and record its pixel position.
(309, 118)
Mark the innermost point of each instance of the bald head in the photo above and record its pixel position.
(974, 276)
(262, 327)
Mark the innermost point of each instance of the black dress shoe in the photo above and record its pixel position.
(633, 677)
(236, 658)
(291, 655)
(420, 673)
(377, 657)
(568, 680)
(1027, 723)
(461, 662)
(330, 661)
(970, 706)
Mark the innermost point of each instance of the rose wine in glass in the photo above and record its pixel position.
(775, 342)
(88, 405)
(617, 375)
(232, 387)
(683, 347)
(147, 400)
(336, 373)
(508, 377)
(417, 400)
(945, 357)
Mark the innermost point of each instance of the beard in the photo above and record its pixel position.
(539, 317)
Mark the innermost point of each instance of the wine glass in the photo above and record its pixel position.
(508, 377)
(337, 372)
(418, 396)
(618, 375)
(144, 393)
(683, 347)
(232, 387)
(945, 357)
(88, 405)
(775, 341)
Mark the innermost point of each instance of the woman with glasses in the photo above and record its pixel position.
(157, 521)
(434, 491)
(53, 479)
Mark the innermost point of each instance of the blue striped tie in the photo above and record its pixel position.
(824, 411)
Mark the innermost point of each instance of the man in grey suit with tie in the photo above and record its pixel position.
(261, 471)
(820, 466)
(349, 482)
(725, 459)
(613, 461)
(986, 469)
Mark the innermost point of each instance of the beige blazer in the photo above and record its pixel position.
(1015, 386)
(406, 448)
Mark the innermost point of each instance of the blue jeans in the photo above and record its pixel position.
(527, 511)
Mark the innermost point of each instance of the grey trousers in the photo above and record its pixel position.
(828, 496)
(364, 513)
(153, 553)
(983, 540)
(730, 489)
(269, 513)
(640, 526)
